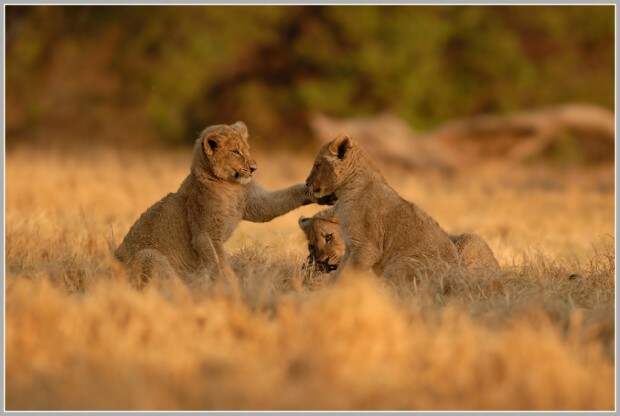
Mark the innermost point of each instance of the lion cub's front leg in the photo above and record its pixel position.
(357, 259)
(212, 256)
(263, 206)
(146, 264)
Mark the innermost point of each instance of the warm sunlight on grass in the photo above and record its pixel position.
(538, 336)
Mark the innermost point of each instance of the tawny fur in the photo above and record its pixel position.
(326, 245)
(185, 232)
(475, 253)
(381, 230)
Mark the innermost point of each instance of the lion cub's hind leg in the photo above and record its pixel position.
(407, 274)
(148, 264)
(475, 253)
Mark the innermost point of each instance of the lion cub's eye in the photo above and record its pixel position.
(329, 238)
(238, 153)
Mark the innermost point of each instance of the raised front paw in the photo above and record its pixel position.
(309, 198)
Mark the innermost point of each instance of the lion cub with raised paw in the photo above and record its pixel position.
(326, 246)
(381, 230)
(184, 233)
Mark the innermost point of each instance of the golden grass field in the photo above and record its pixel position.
(78, 336)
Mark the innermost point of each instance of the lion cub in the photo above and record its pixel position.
(184, 233)
(325, 243)
(326, 246)
(381, 230)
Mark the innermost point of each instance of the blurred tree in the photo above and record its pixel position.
(129, 73)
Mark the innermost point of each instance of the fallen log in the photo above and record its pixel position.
(528, 135)
(588, 131)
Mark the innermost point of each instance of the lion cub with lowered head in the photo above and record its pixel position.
(381, 230)
(326, 246)
(184, 233)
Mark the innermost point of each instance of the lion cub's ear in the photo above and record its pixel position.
(209, 144)
(241, 128)
(304, 223)
(340, 146)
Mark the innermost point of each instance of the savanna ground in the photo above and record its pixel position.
(538, 336)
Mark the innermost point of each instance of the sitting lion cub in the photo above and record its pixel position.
(184, 233)
(381, 230)
(326, 246)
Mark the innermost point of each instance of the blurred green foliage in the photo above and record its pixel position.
(169, 71)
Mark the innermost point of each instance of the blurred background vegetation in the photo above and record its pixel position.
(136, 75)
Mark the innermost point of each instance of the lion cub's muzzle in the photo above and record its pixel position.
(319, 196)
(327, 200)
(245, 175)
(319, 266)
(316, 190)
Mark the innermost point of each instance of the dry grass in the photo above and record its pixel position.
(78, 336)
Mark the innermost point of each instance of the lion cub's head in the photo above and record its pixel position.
(325, 245)
(333, 165)
(222, 152)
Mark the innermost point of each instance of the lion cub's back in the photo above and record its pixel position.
(163, 227)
